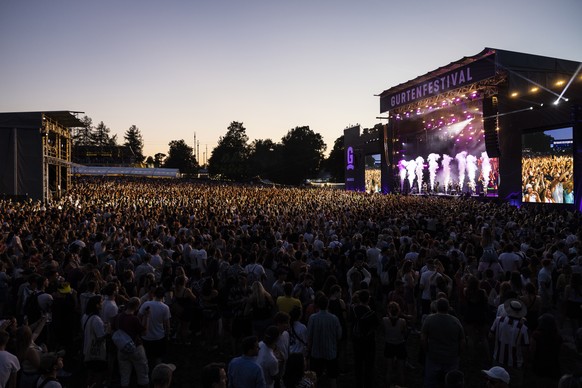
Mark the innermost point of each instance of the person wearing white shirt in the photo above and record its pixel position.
(266, 358)
(297, 335)
(373, 256)
(427, 279)
(156, 261)
(281, 319)
(318, 244)
(9, 364)
(155, 340)
(109, 307)
(358, 267)
(94, 344)
(509, 260)
(202, 257)
(412, 255)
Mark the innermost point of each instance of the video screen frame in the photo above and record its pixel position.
(547, 166)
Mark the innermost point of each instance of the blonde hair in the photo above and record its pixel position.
(259, 296)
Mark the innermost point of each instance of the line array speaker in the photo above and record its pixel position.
(490, 125)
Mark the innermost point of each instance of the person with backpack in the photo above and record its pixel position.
(50, 364)
(94, 343)
(135, 326)
(27, 287)
(364, 327)
(39, 304)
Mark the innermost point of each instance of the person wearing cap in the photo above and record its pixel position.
(162, 375)
(530, 195)
(497, 377)
(50, 364)
(510, 333)
(65, 319)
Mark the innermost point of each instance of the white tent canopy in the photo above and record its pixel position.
(125, 171)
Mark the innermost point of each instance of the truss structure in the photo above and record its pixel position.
(486, 88)
(56, 148)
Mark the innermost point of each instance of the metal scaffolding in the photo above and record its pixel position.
(56, 148)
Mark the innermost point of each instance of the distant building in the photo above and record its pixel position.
(121, 156)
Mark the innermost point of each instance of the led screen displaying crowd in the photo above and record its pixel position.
(548, 167)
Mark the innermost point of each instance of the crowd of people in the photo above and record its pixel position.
(294, 285)
(548, 179)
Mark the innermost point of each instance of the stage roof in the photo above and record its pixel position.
(521, 69)
(435, 73)
(65, 118)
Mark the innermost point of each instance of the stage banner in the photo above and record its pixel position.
(354, 169)
(462, 76)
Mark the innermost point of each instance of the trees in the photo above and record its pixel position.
(181, 156)
(301, 154)
(230, 157)
(334, 164)
(297, 157)
(101, 137)
(83, 136)
(134, 141)
(263, 158)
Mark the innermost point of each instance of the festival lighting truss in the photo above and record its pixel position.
(481, 89)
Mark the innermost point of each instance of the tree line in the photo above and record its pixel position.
(298, 156)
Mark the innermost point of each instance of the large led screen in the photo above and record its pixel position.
(547, 166)
(373, 173)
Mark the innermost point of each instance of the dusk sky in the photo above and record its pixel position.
(173, 68)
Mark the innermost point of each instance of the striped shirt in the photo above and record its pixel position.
(324, 331)
(510, 337)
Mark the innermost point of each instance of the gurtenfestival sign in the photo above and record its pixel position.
(462, 76)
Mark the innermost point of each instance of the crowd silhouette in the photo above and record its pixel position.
(305, 283)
